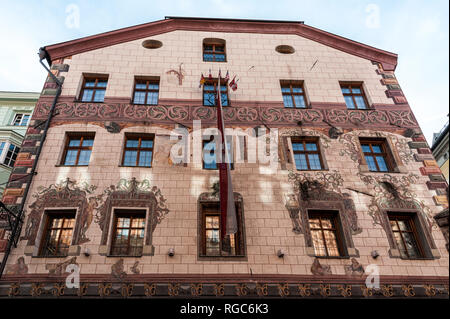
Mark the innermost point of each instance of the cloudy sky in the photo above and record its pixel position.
(417, 30)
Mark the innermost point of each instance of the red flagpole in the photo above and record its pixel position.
(227, 207)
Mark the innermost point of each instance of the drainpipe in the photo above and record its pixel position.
(43, 54)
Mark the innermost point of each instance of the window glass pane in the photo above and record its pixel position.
(366, 148)
(145, 158)
(394, 225)
(314, 161)
(88, 142)
(209, 99)
(130, 158)
(25, 120)
(152, 98)
(141, 86)
(382, 164)
(297, 90)
(285, 90)
(297, 147)
(2, 145)
(102, 83)
(371, 163)
(411, 245)
(208, 47)
(75, 142)
(224, 99)
(220, 57)
(404, 225)
(332, 245)
(99, 96)
(327, 223)
(400, 245)
(300, 161)
(132, 143)
(71, 157)
(360, 102)
(299, 101)
(314, 223)
(287, 100)
(146, 144)
(209, 156)
(220, 48)
(349, 102)
(84, 157)
(311, 146)
(319, 247)
(89, 83)
(139, 97)
(376, 148)
(208, 57)
(212, 242)
(356, 90)
(87, 95)
(345, 90)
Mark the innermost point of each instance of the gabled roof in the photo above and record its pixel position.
(64, 49)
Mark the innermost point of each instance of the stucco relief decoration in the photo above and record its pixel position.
(67, 193)
(237, 114)
(392, 192)
(323, 187)
(350, 141)
(132, 193)
(320, 270)
(19, 268)
(179, 74)
(60, 268)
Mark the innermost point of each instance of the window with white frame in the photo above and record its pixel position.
(8, 153)
(21, 119)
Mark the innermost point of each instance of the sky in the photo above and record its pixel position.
(417, 30)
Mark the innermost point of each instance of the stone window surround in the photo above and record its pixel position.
(74, 249)
(148, 250)
(346, 236)
(364, 90)
(425, 238)
(291, 160)
(205, 199)
(83, 76)
(67, 136)
(396, 162)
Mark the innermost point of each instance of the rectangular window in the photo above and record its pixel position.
(129, 229)
(210, 156)
(405, 235)
(93, 89)
(325, 234)
(354, 96)
(213, 244)
(210, 93)
(58, 233)
(146, 92)
(138, 150)
(214, 52)
(8, 153)
(376, 155)
(78, 149)
(293, 94)
(307, 154)
(21, 119)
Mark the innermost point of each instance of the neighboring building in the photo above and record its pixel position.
(354, 184)
(15, 113)
(440, 150)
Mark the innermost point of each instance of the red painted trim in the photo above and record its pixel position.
(65, 49)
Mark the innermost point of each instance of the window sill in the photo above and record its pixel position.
(135, 166)
(60, 165)
(222, 258)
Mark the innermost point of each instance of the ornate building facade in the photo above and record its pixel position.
(15, 113)
(352, 194)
